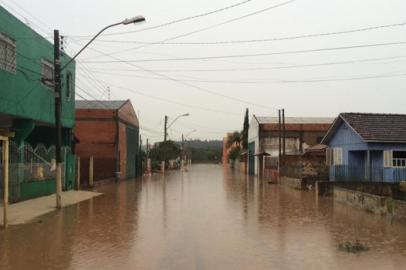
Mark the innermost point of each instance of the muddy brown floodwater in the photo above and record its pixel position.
(207, 218)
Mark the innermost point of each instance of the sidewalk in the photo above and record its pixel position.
(23, 212)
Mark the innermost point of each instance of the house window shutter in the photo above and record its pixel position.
(387, 158)
(337, 156)
(340, 156)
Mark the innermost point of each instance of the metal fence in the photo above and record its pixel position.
(367, 174)
(28, 164)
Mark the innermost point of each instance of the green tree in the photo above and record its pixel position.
(234, 139)
(165, 151)
(244, 133)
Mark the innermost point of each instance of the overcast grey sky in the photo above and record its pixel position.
(354, 82)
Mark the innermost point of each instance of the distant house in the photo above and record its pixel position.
(367, 147)
(263, 138)
(107, 130)
(27, 109)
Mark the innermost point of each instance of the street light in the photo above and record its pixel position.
(184, 154)
(134, 20)
(188, 134)
(58, 105)
(166, 124)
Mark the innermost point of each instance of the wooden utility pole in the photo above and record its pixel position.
(182, 153)
(5, 143)
(58, 126)
(166, 128)
(284, 132)
(280, 134)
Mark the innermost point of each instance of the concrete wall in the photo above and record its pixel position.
(381, 205)
(253, 137)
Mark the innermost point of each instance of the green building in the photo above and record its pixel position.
(27, 108)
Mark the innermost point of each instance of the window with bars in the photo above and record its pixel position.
(47, 73)
(8, 54)
(69, 85)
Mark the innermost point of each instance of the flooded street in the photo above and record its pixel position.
(207, 218)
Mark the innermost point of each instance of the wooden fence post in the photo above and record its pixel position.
(78, 174)
(5, 178)
(91, 160)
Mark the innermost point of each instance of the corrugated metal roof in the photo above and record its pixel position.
(99, 104)
(295, 120)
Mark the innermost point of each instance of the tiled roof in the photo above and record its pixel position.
(99, 104)
(295, 120)
(377, 127)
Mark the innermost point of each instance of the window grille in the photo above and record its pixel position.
(47, 73)
(8, 54)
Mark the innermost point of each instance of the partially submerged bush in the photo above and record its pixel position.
(349, 247)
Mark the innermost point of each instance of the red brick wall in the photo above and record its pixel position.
(297, 127)
(96, 131)
(127, 114)
(123, 149)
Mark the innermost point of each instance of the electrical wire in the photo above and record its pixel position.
(255, 54)
(225, 42)
(209, 27)
(355, 61)
(176, 102)
(267, 82)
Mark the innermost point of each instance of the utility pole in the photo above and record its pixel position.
(183, 151)
(280, 134)
(284, 132)
(108, 93)
(58, 126)
(165, 128)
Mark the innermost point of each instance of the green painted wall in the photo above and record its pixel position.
(23, 94)
(36, 189)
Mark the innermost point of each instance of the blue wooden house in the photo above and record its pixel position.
(367, 147)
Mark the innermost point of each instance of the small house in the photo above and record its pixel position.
(264, 139)
(108, 131)
(367, 147)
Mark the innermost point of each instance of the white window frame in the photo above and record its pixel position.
(9, 43)
(398, 162)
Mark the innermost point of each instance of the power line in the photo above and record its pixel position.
(355, 61)
(184, 83)
(177, 20)
(268, 82)
(209, 27)
(255, 54)
(225, 42)
(24, 17)
(177, 102)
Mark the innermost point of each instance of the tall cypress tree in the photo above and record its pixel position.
(245, 131)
